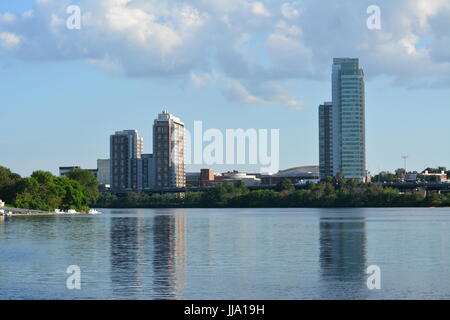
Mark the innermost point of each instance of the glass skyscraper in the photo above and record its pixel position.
(342, 137)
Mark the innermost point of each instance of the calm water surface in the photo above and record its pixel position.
(228, 254)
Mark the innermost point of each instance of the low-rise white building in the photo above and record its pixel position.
(236, 176)
(442, 176)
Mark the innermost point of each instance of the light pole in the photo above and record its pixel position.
(404, 159)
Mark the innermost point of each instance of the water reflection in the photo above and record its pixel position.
(220, 254)
(127, 254)
(148, 255)
(343, 252)
(2, 226)
(169, 255)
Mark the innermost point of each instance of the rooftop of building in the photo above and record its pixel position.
(298, 171)
(127, 132)
(166, 116)
(345, 60)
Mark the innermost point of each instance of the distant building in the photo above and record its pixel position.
(297, 175)
(369, 177)
(326, 140)
(168, 151)
(63, 171)
(236, 177)
(442, 176)
(193, 179)
(411, 177)
(125, 149)
(147, 172)
(342, 145)
(104, 171)
(206, 177)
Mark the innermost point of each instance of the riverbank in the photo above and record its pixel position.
(346, 194)
(15, 212)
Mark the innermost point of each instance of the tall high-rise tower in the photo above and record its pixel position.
(168, 151)
(326, 140)
(125, 149)
(342, 124)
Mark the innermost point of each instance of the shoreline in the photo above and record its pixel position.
(16, 212)
(267, 207)
(49, 214)
(30, 213)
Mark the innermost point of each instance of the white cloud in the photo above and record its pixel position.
(282, 27)
(290, 101)
(263, 94)
(7, 17)
(258, 8)
(201, 80)
(27, 14)
(249, 48)
(409, 43)
(239, 93)
(289, 11)
(9, 40)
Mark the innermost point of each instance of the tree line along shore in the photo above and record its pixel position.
(79, 191)
(329, 193)
(45, 192)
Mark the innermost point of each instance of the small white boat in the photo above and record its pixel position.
(2, 213)
(71, 211)
(93, 211)
(58, 211)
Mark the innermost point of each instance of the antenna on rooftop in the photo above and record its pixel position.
(404, 159)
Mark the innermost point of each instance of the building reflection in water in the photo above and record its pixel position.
(169, 250)
(127, 255)
(343, 252)
(2, 226)
(148, 248)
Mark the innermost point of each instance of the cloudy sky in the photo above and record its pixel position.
(230, 63)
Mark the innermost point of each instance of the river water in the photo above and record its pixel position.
(228, 254)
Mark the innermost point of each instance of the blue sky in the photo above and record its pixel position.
(231, 64)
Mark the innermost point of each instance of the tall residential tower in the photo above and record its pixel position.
(125, 149)
(168, 151)
(342, 138)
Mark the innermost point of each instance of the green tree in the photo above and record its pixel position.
(339, 178)
(43, 191)
(327, 179)
(400, 174)
(285, 185)
(88, 181)
(8, 182)
(107, 200)
(75, 196)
